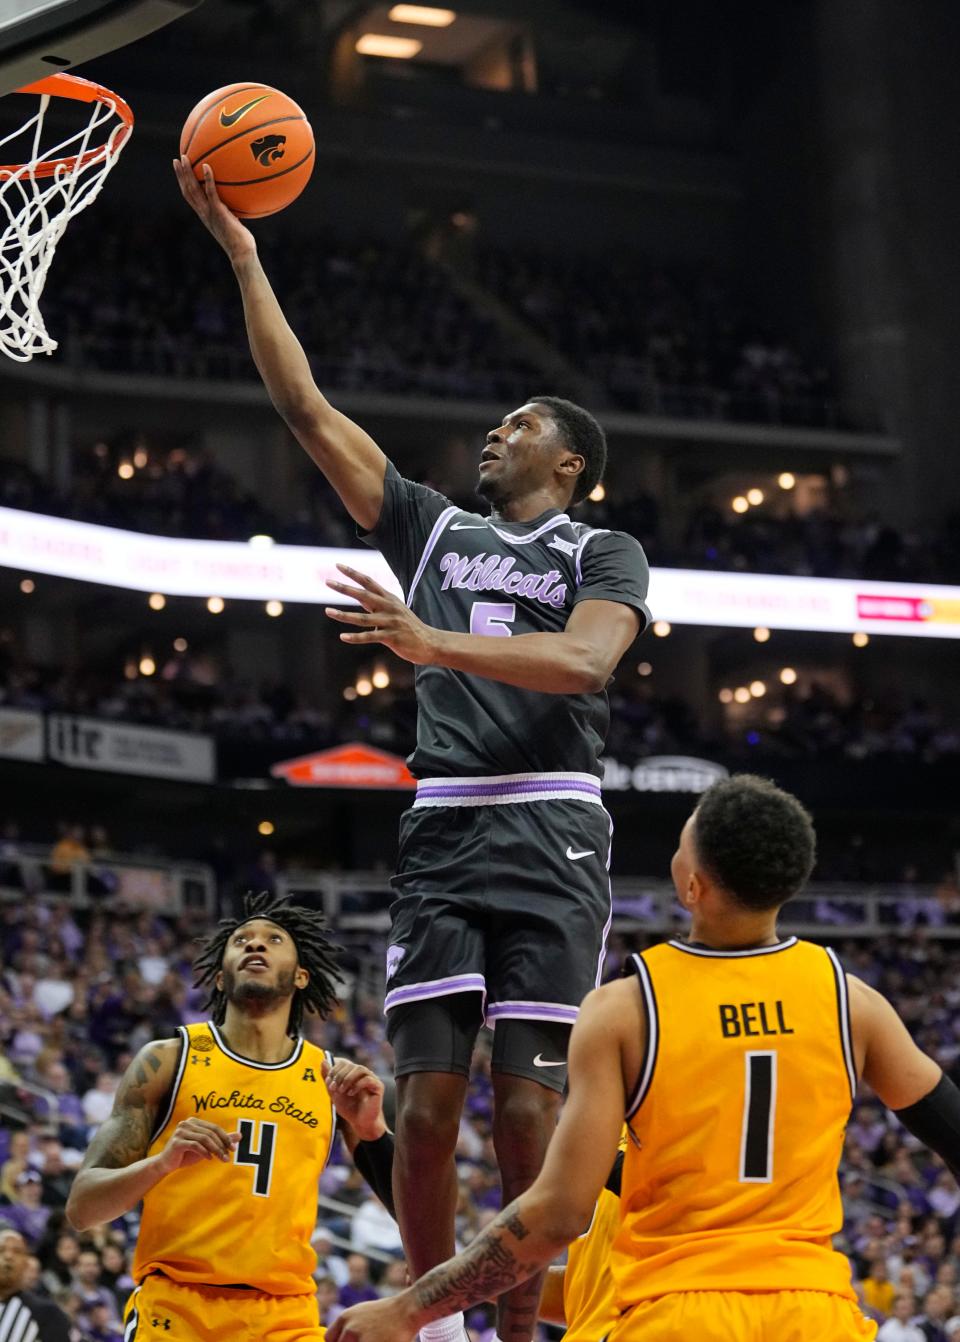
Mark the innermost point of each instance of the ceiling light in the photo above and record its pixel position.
(761, 634)
(156, 601)
(644, 669)
(364, 687)
(726, 696)
(739, 504)
(742, 694)
(266, 828)
(381, 678)
(215, 604)
(147, 665)
(274, 608)
(757, 689)
(788, 676)
(130, 670)
(349, 693)
(860, 639)
(180, 645)
(140, 458)
(379, 44)
(754, 497)
(260, 542)
(786, 480)
(125, 470)
(661, 628)
(27, 585)
(425, 15)
(597, 494)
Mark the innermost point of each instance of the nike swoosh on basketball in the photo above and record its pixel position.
(467, 526)
(231, 118)
(575, 857)
(540, 1061)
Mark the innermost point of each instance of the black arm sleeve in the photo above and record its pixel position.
(615, 1177)
(935, 1120)
(374, 1160)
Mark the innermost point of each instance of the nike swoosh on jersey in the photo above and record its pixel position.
(575, 857)
(540, 1061)
(467, 526)
(231, 118)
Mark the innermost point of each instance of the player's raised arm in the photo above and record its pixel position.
(909, 1082)
(347, 455)
(116, 1171)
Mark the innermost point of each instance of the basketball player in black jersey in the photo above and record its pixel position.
(515, 621)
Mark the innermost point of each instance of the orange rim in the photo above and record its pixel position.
(62, 85)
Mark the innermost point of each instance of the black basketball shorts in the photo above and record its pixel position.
(510, 900)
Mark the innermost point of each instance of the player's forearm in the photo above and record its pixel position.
(551, 663)
(100, 1195)
(276, 351)
(523, 1239)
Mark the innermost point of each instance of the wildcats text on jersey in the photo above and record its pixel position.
(498, 573)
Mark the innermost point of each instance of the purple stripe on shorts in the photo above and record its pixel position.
(499, 789)
(418, 992)
(533, 1011)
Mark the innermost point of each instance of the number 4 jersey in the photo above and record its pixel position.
(730, 1181)
(471, 574)
(246, 1222)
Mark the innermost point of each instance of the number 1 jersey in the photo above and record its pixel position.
(471, 574)
(246, 1222)
(730, 1180)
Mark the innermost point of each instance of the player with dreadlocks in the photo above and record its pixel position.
(223, 1133)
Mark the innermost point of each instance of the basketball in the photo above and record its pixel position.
(258, 143)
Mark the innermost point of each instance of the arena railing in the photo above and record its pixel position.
(140, 883)
(360, 900)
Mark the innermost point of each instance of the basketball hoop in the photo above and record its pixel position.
(39, 197)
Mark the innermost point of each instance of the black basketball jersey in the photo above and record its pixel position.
(466, 573)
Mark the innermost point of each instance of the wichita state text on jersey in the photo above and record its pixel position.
(247, 1222)
(739, 1118)
(465, 573)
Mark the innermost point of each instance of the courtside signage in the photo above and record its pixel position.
(34, 543)
(351, 766)
(127, 748)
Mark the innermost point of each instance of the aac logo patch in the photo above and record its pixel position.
(308, 1075)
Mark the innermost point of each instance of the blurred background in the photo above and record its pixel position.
(729, 229)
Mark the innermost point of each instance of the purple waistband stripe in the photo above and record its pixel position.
(501, 789)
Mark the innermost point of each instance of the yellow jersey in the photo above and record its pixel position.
(589, 1304)
(738, 1118)
(247, 1222)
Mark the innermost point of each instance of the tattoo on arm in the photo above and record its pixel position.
(125, 1136)
(486, 1269)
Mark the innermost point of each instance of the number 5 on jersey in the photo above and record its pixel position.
(489, 619)
(258, 1150)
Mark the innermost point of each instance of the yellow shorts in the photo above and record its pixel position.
(161, 1308)
(741, 1316)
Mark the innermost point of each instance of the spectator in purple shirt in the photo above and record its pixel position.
(26, 1214)
(358, 1286)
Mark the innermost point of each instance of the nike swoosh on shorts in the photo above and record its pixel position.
(575, 857)
(540, 1061)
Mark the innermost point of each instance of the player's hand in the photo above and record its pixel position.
(391, 1320)
(384, 619)
(235, 239)
(357, 1095)
(194, 1140)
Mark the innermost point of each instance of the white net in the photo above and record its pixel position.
(40, 195)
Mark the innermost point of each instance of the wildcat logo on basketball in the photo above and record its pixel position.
(497, 573)
(268, 149)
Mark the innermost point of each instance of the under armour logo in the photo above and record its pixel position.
(568, 547)
(205, 1062)
(268, 149)
(308, 1075)
(160, 1323)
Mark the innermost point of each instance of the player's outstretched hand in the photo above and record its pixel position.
(235, 239)
(384, 619)
(194, 1140)
(389, 1320)
(357, 1095)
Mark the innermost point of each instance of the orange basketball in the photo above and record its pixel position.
(258, 143)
